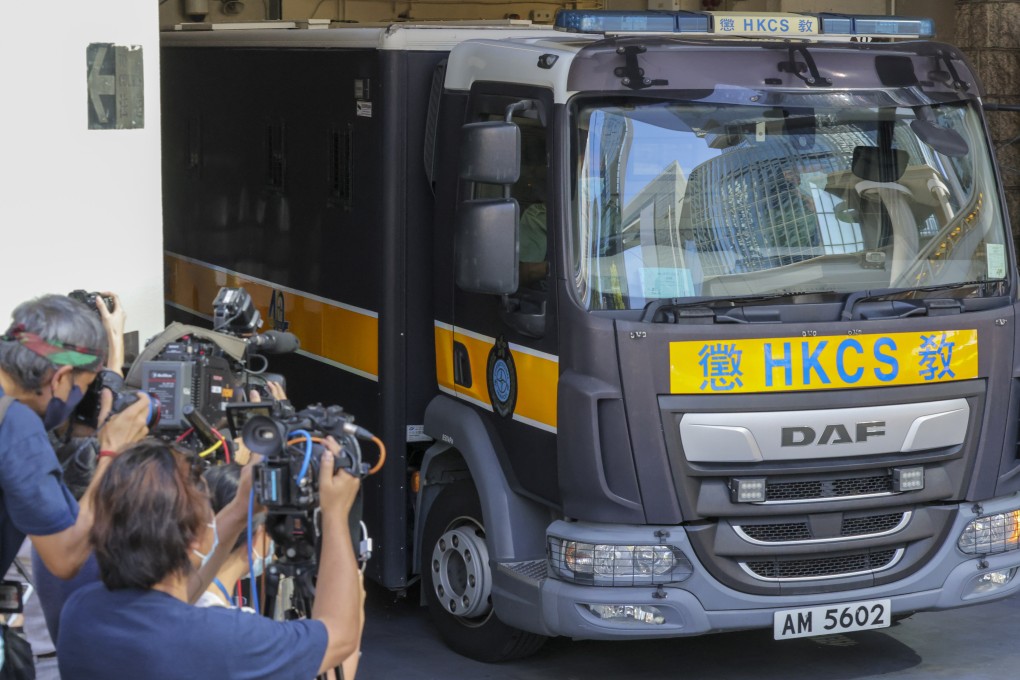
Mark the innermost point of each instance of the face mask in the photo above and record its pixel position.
(58, 411)
(215, 542)
(259, 563)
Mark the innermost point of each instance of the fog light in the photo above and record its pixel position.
(748, 490)
(628, 612)
(991, 581)
(908, 478)
(991, 534)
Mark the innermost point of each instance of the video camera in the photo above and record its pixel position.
(195, 373)
(291, 444)
(286, 482)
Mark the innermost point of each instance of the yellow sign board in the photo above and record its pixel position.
(729, 366)
(766, 24)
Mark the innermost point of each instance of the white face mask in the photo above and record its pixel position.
(215, 542)
(260, 562)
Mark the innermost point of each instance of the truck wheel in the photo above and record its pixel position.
(457, 581)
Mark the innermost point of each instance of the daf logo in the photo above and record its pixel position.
(832, 434)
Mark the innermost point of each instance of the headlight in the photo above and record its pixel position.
(991, 534)
(618, 564)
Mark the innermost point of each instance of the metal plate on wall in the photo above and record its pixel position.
(116, 98)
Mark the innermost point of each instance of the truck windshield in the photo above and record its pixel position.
(679, 200)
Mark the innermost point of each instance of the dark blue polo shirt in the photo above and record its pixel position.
(149, 634)
(33, 498)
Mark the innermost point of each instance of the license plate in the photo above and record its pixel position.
(831, 619)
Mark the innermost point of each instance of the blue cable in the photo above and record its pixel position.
(251, 562)
(308, 453)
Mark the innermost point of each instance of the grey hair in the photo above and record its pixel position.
(53, 317)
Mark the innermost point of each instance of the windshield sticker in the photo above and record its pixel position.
(996, 258)
(823, 362)
(666, 282)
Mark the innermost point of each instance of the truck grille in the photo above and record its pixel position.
(800, 532)
(778, 533)
(876, 524)
(825, 567)
(780, 492)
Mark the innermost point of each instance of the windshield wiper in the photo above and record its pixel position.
(883, 294)
(676, 310)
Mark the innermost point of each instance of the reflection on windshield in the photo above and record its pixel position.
(678, 200)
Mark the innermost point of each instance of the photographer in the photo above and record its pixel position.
(155, 536)
(222, 482)
(48, 358)
(78, 447)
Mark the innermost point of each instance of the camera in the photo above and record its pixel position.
(89, 299)
(190, 371)
(124, 396)
(291, 445)
(87, 412)
(286, 481)
(210, 370)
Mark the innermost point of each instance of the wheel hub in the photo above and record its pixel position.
(460, 572)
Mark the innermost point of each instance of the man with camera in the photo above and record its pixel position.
(49, 356)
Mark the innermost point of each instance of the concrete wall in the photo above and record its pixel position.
(989, 32)
(81, 208)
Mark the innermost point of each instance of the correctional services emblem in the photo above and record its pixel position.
(501, 377)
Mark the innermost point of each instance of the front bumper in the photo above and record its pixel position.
(701, 604)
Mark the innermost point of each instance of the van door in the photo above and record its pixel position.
(505, 347)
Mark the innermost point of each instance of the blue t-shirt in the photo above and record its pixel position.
(149, 634)
(53, 591)
(33, 498)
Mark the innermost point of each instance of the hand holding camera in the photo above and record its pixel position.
(127, 426)
(338, 491)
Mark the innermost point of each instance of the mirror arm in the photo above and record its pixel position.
(522, 105)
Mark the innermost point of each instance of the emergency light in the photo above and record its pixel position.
(743, 24)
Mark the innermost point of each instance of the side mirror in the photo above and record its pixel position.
(486, 243)
(490, 152)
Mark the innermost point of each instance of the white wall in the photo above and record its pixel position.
(79, 208)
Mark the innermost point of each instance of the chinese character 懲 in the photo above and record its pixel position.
(727, 24)
(720, 366)
(935, 357)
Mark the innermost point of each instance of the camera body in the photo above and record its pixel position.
(124, 396)
(189, 371)
(89, 299)
(287, 477)
(87, 412)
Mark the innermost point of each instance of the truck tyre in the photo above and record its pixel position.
(457, 581)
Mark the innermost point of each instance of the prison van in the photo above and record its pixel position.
(673, 323)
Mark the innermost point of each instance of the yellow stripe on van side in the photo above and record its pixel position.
(340, 334)
(538, 375)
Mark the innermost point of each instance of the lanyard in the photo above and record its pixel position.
(223, 589)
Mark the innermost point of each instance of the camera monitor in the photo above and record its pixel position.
(239, 414)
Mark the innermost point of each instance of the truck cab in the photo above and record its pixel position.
(767, 373)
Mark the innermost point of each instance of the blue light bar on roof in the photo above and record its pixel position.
(754, 24)
(621, 21)
(848, 24)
